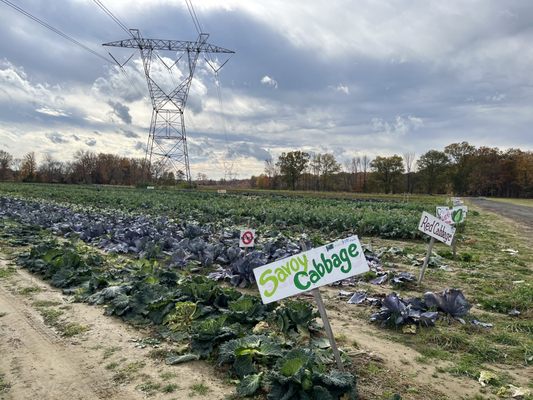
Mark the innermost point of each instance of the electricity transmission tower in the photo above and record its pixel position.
(167, 140)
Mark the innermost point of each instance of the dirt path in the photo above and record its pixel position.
(105, 362)
(521, 215)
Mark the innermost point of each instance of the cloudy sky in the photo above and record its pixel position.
(349, 77)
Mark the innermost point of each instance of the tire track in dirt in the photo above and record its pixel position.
(39, 365)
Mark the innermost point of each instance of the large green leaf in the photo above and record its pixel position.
(249, 384)
(243, 366)
(294, 362)
(337, 379)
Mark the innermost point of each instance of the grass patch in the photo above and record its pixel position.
(112, 366)
(4, 385)
(110, 351)
(167, 376)
(72, 329)
(45, 303)
(158, 354)
(505, 298)
(149, 387)
(50, 316)
(505, 338)
(26, 291)
(170, 388)
(199, 389)
(135, 366)
(467, 365)
(434, 352)
(6, 272)
(129, 372)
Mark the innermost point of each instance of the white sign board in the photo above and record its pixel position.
(150, 187)
(459, 214)
(456, 201)
(445, 214)
(436, 228)
(311, 269)
(221, 191)
(247, 238)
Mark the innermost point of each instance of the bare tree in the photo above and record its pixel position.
(28, 168)
(408, 159)
(6, 160)
(272, 171)
(355, 166)
(365, 164)
(316, 168)
(50, 169)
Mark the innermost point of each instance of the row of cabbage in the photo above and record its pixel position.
(275, 350)
(388, 219)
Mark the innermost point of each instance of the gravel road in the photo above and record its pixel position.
(523, 215)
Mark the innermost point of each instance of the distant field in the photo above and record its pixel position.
(387, 216)
(518, 202)
(419, 198)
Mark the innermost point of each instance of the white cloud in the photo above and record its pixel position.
(268, 81)
(399, 127)
(342, 89)
(51, 111)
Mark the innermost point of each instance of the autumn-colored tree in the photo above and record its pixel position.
(484, 178)
(28, 168)
(524, 174)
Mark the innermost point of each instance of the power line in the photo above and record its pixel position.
(112, 16)
(210, 62)
(195, 21)
(55, 30)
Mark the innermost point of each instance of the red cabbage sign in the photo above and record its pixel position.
(436, 228)
(311, 269)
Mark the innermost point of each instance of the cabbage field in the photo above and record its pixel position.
(169, 262)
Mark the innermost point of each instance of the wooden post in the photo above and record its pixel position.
(325, 320)
(327, 327)
(454, 246)
(426, 260)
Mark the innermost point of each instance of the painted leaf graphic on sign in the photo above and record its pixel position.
(457, 215)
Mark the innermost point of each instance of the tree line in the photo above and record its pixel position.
(459, 168)
(86, 167)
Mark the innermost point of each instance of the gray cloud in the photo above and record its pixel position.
(56, 137)
(128, 133)
(248, 150)
(140, 146)
(90, 142)
(120, 110)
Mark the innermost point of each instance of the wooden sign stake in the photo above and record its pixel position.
(327, 327)
(325, 320)
(454, 247)
(426, 260)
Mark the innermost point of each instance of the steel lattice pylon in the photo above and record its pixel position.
(167, 140)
